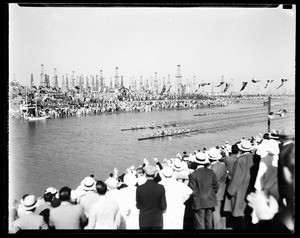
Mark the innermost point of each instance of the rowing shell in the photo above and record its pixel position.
(160, 136)
(149, 127)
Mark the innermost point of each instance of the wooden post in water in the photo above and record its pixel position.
(269, 110)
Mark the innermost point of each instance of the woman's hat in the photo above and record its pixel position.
(88, 183)
(30, 202)
(214, 154)
(245, 145)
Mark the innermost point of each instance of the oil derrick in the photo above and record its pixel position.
(73, 80)
(31, 81)
(63, 86)
(67, 82)
(42, 76)
(97, 84)
(178, 78)
(141, 84)
(87, 85)
(102, 84)
(168, 82)
(155, 83)
(117, 83)
(55, 78)
(122, 83)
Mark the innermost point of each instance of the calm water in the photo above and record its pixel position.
(61, 152)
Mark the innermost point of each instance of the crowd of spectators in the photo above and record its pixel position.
(244, 186)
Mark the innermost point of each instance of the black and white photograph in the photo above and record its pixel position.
(151, 118)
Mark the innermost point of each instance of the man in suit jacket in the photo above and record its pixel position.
(29, 220)
(151, 201)
(240, 185)
(221, 173)
(67, 215)
(203, 182)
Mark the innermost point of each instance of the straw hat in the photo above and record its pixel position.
(201, 158)
(245, 145)
(214, 154)
(177, 165)
(167, 172)
(88, 184)
(268, 147)
(130, 179)
(30, 202)
(150, 170)
(286, 133)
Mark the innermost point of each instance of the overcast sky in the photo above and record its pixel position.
(237, 43)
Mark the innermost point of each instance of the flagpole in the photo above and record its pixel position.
(269, 110)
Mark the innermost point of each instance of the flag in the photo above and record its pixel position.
(163, 90)
(204, 84)
(282, 83)
(198, 87)
(227, 87)
(244, 85)
(169, 88)
(220, 84)
(281, 113)
(268, 82)
(255, 80)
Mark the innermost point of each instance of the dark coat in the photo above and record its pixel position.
(203, 182)
(229, 162)
(221, 174)
(238, 187)
(151, 200)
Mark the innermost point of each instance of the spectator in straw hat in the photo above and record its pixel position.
(176, 194)
(203, 182)
(105, 213)
(151, 201)
(221, 174)
(181, 170)
(244, 174)
(126, 198)
(29, 220)
(67, 215)
(90, 196)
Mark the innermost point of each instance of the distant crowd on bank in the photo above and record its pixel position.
(55, 109)
(245, 186)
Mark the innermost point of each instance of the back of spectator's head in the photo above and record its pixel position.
(65, 194)
(48, 197)
(101, 187)
(234, 149)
